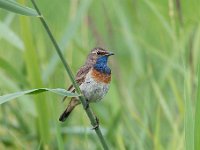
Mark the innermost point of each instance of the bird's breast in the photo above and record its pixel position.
(100, 77)
(95, 86)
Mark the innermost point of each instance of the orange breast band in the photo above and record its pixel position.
(101, 77)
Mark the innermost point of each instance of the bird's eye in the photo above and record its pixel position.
(98, 53)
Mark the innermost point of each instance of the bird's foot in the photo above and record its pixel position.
(86, 105)
(97, 123)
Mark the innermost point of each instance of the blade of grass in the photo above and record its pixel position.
(34, 78)
(8, 97)
(7, 34)
(194, 63)
(17, 8)
(177, 94)
(7, 83)
(156, 139)
(115, 123)
(192, 138)
(164, 105)
(189, 118)
(8, 19)
(164, 22)
(162, 101)
(20, 119)
(129, 38)
(57, 126)
(197, 114)
(10, 70)
(120, 142)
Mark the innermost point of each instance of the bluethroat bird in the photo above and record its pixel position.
(93, 78)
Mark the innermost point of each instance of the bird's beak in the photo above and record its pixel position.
(110, 53)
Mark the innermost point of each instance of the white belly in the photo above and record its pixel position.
(92, 90)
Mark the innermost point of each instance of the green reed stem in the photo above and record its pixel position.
(69, 72)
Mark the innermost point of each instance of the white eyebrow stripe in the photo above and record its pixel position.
(102, 52)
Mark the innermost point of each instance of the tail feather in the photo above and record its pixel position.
(72, 104)
(64, 115)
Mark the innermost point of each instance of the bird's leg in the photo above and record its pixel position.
(86, 105)
(97, 123)
(96, 119)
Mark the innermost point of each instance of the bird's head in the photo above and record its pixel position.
(98, 56)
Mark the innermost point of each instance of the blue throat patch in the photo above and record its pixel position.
(101, 65)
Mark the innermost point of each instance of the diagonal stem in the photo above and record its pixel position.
(81, 98)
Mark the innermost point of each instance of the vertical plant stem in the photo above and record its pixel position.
(197, 113)
(179, 11)
(82, 99)
(34, 77)
(189, 117)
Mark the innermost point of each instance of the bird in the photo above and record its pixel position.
(93, 78)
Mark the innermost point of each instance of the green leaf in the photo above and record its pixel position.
(8, 97)
(17, 8)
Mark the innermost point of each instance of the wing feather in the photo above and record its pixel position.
(80, 77)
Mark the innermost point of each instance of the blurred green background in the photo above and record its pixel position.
(151, 102)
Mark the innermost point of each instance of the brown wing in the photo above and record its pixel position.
(80, 77)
